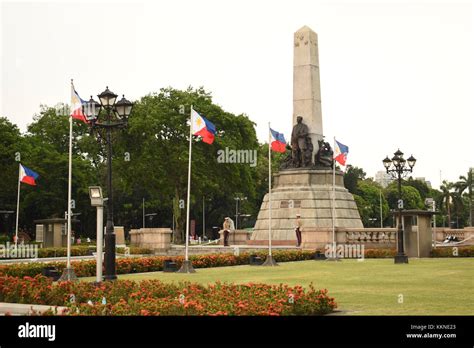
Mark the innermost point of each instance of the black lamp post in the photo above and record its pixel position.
(103, 118)
(397, 168)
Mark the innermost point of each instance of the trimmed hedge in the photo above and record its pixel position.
(135, 251)
(379, 253)
(87, 268)
(60, 252)
(454, 251)
(85, 250)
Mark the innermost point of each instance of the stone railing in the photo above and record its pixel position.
(374, 237)
(366, 235)
(462, 234)
(370, 237)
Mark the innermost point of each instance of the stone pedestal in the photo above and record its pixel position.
(236, 237)
(307, 192)
(119, 236)
(157, 239)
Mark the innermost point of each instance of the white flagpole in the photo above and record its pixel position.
(269, 192)
(69, 191)
(334, 202)
(17, 205)
(189, 183)
(68, 272)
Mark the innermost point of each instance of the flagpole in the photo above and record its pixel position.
(187, 266)
(69, 197)
(68, 273)
(334, 201)
(269, 192)
(17, 206)
(269, 261)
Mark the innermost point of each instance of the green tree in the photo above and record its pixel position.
(447, 198)
(157, 141)
(410, 195)
(466, 183)
(352, 176)
(420, 185)
(46, 150)
(11, 146)
(369, 201)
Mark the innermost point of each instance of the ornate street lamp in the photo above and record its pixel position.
(103, 118)
(397, 168)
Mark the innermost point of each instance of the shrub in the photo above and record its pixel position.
(60, 252)
(152, 297)
(87, 268)
(83, 250)
(135, 251)
(379, 253)
(461, 251)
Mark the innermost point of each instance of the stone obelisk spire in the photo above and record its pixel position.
(306, 86)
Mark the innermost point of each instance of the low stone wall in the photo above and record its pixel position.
(372, 238)
(462, 234)
(157, 239)
(236, 237)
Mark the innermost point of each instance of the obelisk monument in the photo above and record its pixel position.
(306, 84)
(305, 187)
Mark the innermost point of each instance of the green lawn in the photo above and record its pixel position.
(443, 286)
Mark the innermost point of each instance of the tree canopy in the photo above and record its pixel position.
(150, 161)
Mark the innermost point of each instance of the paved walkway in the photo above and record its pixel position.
(26, 309)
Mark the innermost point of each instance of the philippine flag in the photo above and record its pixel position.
(202, 127)
(340, 152)
(278, 142)
(28, 176)
(76, 106)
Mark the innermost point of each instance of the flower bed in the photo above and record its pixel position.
(87, 268)
(152, 297)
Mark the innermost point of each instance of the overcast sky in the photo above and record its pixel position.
(393, 73)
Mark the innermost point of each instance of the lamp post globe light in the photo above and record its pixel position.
(104, 117)
(398, 167)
